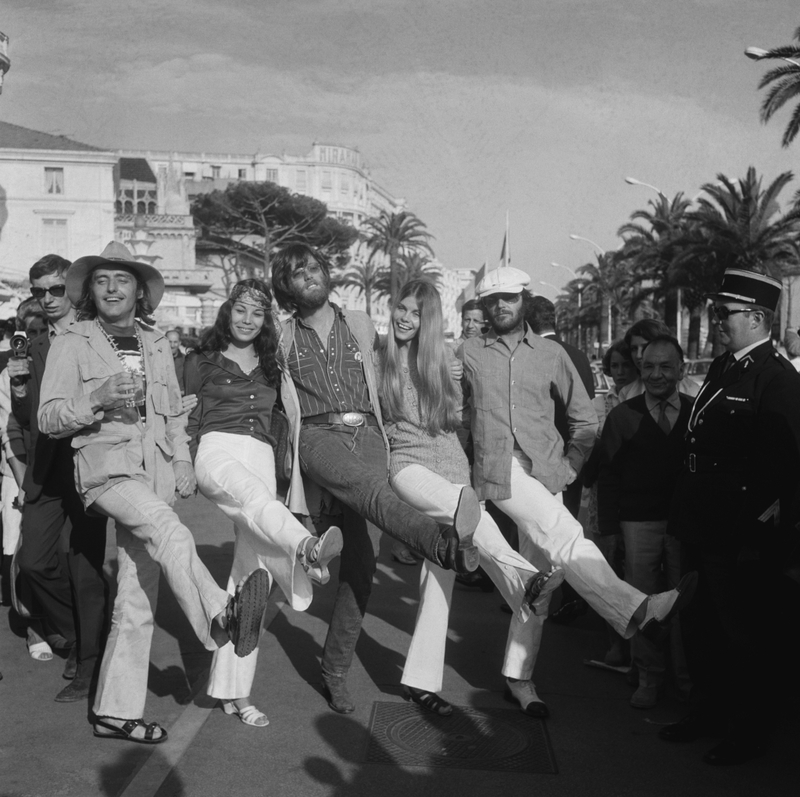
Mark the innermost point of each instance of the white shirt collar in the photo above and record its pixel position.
(747, 349)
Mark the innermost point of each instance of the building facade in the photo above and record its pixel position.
(56, 195)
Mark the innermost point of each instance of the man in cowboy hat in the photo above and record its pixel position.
(735, 512)
(111, 384)
(72, 600)
(513, 380)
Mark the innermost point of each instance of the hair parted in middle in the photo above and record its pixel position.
(284, 262)
(217, 337)
(439, 402)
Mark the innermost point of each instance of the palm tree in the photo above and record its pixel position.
(395, 235)
(410, 267)
(607, 294)
(742, 225)
(366, 279)
(650, 239)
(739, 224)
(785, 80)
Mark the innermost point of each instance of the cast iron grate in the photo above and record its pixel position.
(486, 739)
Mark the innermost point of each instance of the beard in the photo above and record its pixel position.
(312, 296)
(506, 323)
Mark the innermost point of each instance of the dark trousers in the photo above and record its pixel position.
(73, 603)
(740, 637)
(351, 464)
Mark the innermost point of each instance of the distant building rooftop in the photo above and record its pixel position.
(16, 137)
(136, 169)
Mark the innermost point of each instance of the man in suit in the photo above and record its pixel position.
(540, 314)
(735, 512)
(73, 602)
(641, 453)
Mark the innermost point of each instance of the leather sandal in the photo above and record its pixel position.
(125, 732)
(316, 556)
(249, 715)
(430, 701)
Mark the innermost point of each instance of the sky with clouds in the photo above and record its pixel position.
(466, 108)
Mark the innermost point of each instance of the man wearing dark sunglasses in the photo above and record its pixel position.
(73, 602)
(735, 510)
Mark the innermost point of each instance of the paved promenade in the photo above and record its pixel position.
(601, 745)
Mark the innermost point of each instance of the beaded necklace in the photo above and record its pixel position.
(114, 346)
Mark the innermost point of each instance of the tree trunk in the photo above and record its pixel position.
(605, 306)
(671, 312)
(695, 318)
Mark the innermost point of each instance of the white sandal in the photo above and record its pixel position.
(38, 650)
(249, 715)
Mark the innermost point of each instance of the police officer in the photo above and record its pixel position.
(735, 509)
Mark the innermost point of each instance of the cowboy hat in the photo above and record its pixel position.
(115, 255)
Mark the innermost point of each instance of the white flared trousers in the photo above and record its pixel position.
(545, 526)
(237, 473)
(438, 498)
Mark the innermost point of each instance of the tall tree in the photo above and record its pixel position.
(395, 235)
(243, 224)
(409, 267)
(785, 86)
(651, 238)
(367, 280)
(607, 294)
(739, 224)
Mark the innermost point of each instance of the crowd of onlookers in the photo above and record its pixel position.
(489, 459)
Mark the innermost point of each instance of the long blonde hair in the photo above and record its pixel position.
(439, 409)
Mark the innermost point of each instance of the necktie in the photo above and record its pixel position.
(663, 421)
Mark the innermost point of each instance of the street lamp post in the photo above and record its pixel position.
(602, 253)
(5, 61)
(588, 241)
(678, 296)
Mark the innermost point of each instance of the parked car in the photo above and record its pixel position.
(697, 369)
(602, 383)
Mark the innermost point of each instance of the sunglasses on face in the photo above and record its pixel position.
(723, 312)
(56, 291)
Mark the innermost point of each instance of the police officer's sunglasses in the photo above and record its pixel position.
(57, 291)
(723, 312)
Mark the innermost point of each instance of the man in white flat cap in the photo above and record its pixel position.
(512, 381)
(111, 385)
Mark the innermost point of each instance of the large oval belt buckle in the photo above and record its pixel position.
(352, 419)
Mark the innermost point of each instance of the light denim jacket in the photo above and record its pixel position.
(114, 445)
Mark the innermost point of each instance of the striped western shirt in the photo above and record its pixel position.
(330, 377)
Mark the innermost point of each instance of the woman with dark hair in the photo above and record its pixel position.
(422, 404)
(236, 376)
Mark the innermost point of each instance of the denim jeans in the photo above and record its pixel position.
(351, 464)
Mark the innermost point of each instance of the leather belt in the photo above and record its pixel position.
(353, 419)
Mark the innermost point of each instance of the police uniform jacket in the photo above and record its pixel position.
(741, 478)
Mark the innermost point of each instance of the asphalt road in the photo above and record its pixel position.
(602, 746)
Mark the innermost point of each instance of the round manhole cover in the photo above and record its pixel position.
(467, 736)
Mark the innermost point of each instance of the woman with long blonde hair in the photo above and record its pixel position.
(421, 403)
